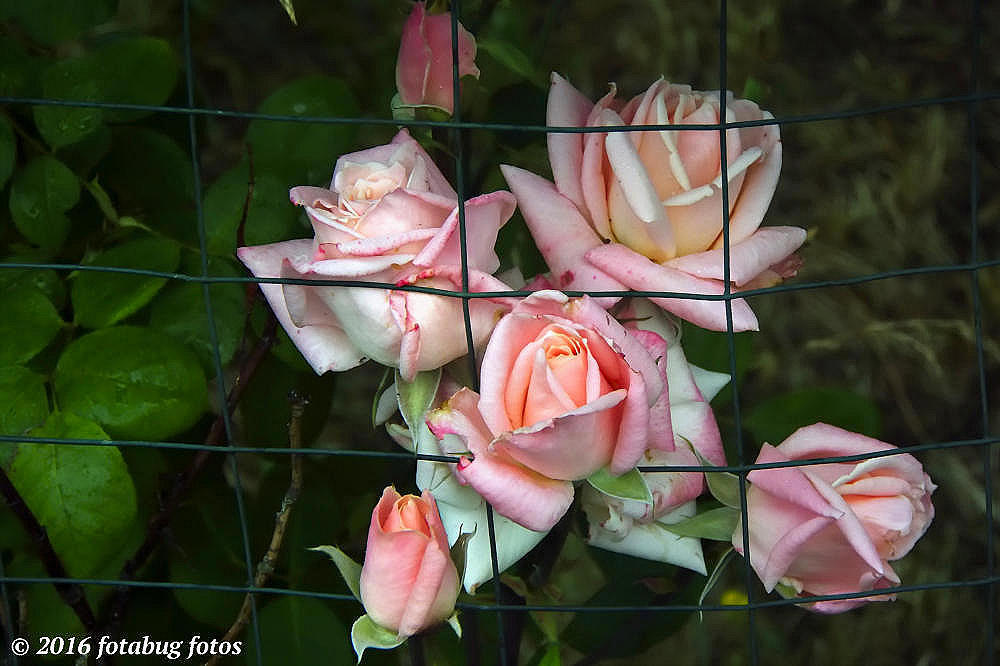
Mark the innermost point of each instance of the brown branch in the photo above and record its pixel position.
(159, 522)
(71, 593)
(266, 566)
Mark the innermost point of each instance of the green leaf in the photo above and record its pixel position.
(629, 486)
(24, 404)
(349, 569)
(511, 57)
(777, 417)
(46, 280)
(270, 217)
(137, 383)
(290, 10)
(715, 524)
(8, 150)
(28, 324)
(148, 169)
(298, 631)
(135, 70)
(724, 486)
(302, 153)
(180, 312)
(73, 79)
(82, 495)
(366, 634)
(552, 656)
(19, 72)
(39, 197)
(416, 397)
(55, 21)
(103, 299)
(715, 577)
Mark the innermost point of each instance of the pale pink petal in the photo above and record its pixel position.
(661, 431)
(790, 484)
(529, 499)
(460, 416)
(373, 247)
(401, 211)
(439, 84)
(634, 429)
(435, 588)
(561, 234)
(323, 343)
(639, 273)
(756, 192)
(484, 216)
(748, 258)
(820, 440)
(569, 447)
(567, 107)
(414, 58)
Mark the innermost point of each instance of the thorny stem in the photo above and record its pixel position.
(266, 566)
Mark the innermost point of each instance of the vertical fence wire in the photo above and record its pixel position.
(459, 130)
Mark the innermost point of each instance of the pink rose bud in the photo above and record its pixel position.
(424, 66)
(566, 391)
(388, 216)
(408, 581)
(833, 528)
(643, 210)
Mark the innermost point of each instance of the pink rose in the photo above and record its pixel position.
(566, 391)
(634, 527)
(408, 581)
(643, 210)
(424, 66)
(833, 528)
(389, 216)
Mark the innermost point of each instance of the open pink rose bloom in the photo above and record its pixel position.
(408, 581)
(566, 391)
(389, 216)
(833, 528)
(643, 210)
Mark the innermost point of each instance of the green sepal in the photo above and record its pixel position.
(724, 486)
(628, 486)
(349, 569)
(454, 624)
(714, 578)
(416, 397)
(367, 634)
(715, 524)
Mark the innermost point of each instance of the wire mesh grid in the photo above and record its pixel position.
(972, 267)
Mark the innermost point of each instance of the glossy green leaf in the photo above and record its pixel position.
(179, 310)
(366, 634)
(777, 417)
(270, 216)
(103, 299)
(44, 279)
(416, 397)
(55, 21)
(24, 404)
(136, 382)
(74, 79)
(300, 631)
(303, 153)
(715, 524)
(349, 569)
(148, 170)
(83, 495)
(135, 70)
(8, 150)
(40, 195)
(28, 324)
(629, 486)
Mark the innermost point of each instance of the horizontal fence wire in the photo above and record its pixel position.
(972, 102)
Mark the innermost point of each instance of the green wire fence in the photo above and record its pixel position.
(978, 259)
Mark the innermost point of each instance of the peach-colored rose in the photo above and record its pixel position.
(408, 581)
(389, 216)
(643, 210)
(424, 65)
(833, 528)
(566, 391)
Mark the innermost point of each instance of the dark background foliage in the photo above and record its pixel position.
(886, 185)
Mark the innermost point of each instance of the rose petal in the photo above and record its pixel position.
(567, 107)
(764, 248)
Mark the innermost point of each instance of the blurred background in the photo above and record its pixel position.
(885, 183)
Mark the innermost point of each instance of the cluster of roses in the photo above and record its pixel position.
(574, 389)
